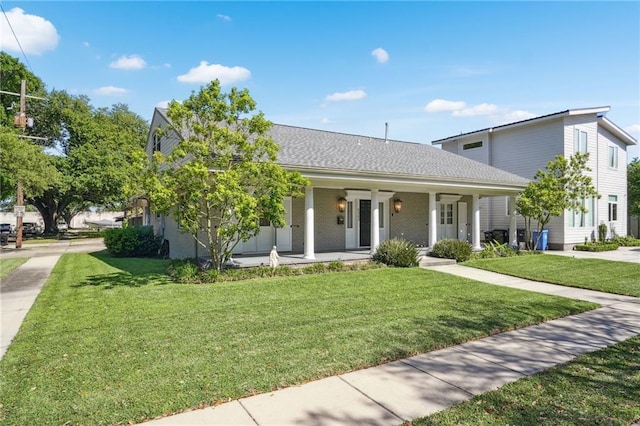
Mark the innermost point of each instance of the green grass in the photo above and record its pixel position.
(594, 274)
(113, 340)
(600, 388)
(9, 265)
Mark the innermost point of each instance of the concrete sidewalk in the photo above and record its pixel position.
(418, 386)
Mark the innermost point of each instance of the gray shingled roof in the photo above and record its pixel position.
(301, 147)
(331, 151)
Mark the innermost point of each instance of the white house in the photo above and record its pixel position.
(525, 146)
(363, 190)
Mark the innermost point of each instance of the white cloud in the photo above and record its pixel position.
(325, 120)
(131, 62)
(110, 91)
(513, 116)
(205, 73)
(86, 44)
(351, 95)
(223, 17)
(166, 65)
(633, 130)
(481, 109)
(381, 55)
(36, 34)
(441, 105)
(163, 104)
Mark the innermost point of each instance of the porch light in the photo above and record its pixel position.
(397, 205)
(342, 204)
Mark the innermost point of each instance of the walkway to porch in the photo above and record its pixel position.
(347, 256)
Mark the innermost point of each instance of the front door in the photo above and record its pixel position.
(365, 223)
(447, 222)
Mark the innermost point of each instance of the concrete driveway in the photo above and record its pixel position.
(623, 254)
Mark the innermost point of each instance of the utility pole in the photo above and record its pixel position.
(20, 121)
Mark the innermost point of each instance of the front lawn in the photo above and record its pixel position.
(593, 274)
(600, 388)
(113, 340)
(9, 265)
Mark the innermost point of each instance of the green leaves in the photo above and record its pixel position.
(221, 178)
(561, 186)
(633, 187)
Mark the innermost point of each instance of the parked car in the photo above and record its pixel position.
(62, 226)
(31, 228)
(7, 233)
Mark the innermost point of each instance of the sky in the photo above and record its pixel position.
(428, 69)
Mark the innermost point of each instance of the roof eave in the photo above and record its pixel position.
(618, 132)
(535, 120)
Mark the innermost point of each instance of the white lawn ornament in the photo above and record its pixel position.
(274, 258)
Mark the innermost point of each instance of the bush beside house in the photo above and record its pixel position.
(137, 241)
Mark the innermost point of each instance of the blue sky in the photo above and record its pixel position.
(429, 69)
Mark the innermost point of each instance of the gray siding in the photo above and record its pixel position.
(611, 181)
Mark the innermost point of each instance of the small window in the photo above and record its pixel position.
(449, 214)
(349, 214)
(613, 208)
(472, 145)
(156, 142)
(265, 222)
(613, 157)
(580, 141)
(381, 215)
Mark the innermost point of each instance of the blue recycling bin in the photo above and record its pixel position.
(542, 244)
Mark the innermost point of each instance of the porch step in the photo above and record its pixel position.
(427, 261)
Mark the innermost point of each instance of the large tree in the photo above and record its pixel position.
(633, 187)
(222, 177)
(561, 186)
(22, 161)
(96, 148)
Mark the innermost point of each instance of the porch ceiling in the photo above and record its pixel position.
(409, 184)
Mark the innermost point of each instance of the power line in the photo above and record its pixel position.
(16, 37)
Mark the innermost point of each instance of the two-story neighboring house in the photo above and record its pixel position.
(525, 146)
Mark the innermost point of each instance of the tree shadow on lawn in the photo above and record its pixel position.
(134, 272)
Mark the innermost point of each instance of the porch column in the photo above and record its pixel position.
(475, 224)
(309, 247)
(433, 220)
(375, 221)
(513, 222)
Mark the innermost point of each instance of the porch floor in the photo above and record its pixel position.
(292, 259)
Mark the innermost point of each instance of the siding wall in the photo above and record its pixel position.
(412, 221)
(611, 181)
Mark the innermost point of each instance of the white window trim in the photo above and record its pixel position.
(612, 158)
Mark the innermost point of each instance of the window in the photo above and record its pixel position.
(613, 157)
(381, 215)
(472, 145)
(577, 219)
(580, 141)
(507, 204)
(264, 222)
(156, 142)
(613, 208)
(349, 214)
(446, 214)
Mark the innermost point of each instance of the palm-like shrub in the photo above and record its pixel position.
(397, 252)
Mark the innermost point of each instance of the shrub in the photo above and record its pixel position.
(494, 249)
(596, 247)
(602, 232)
(452, 249)
(397, 252)
(183, 271)
(137, 241)
(627, 241)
